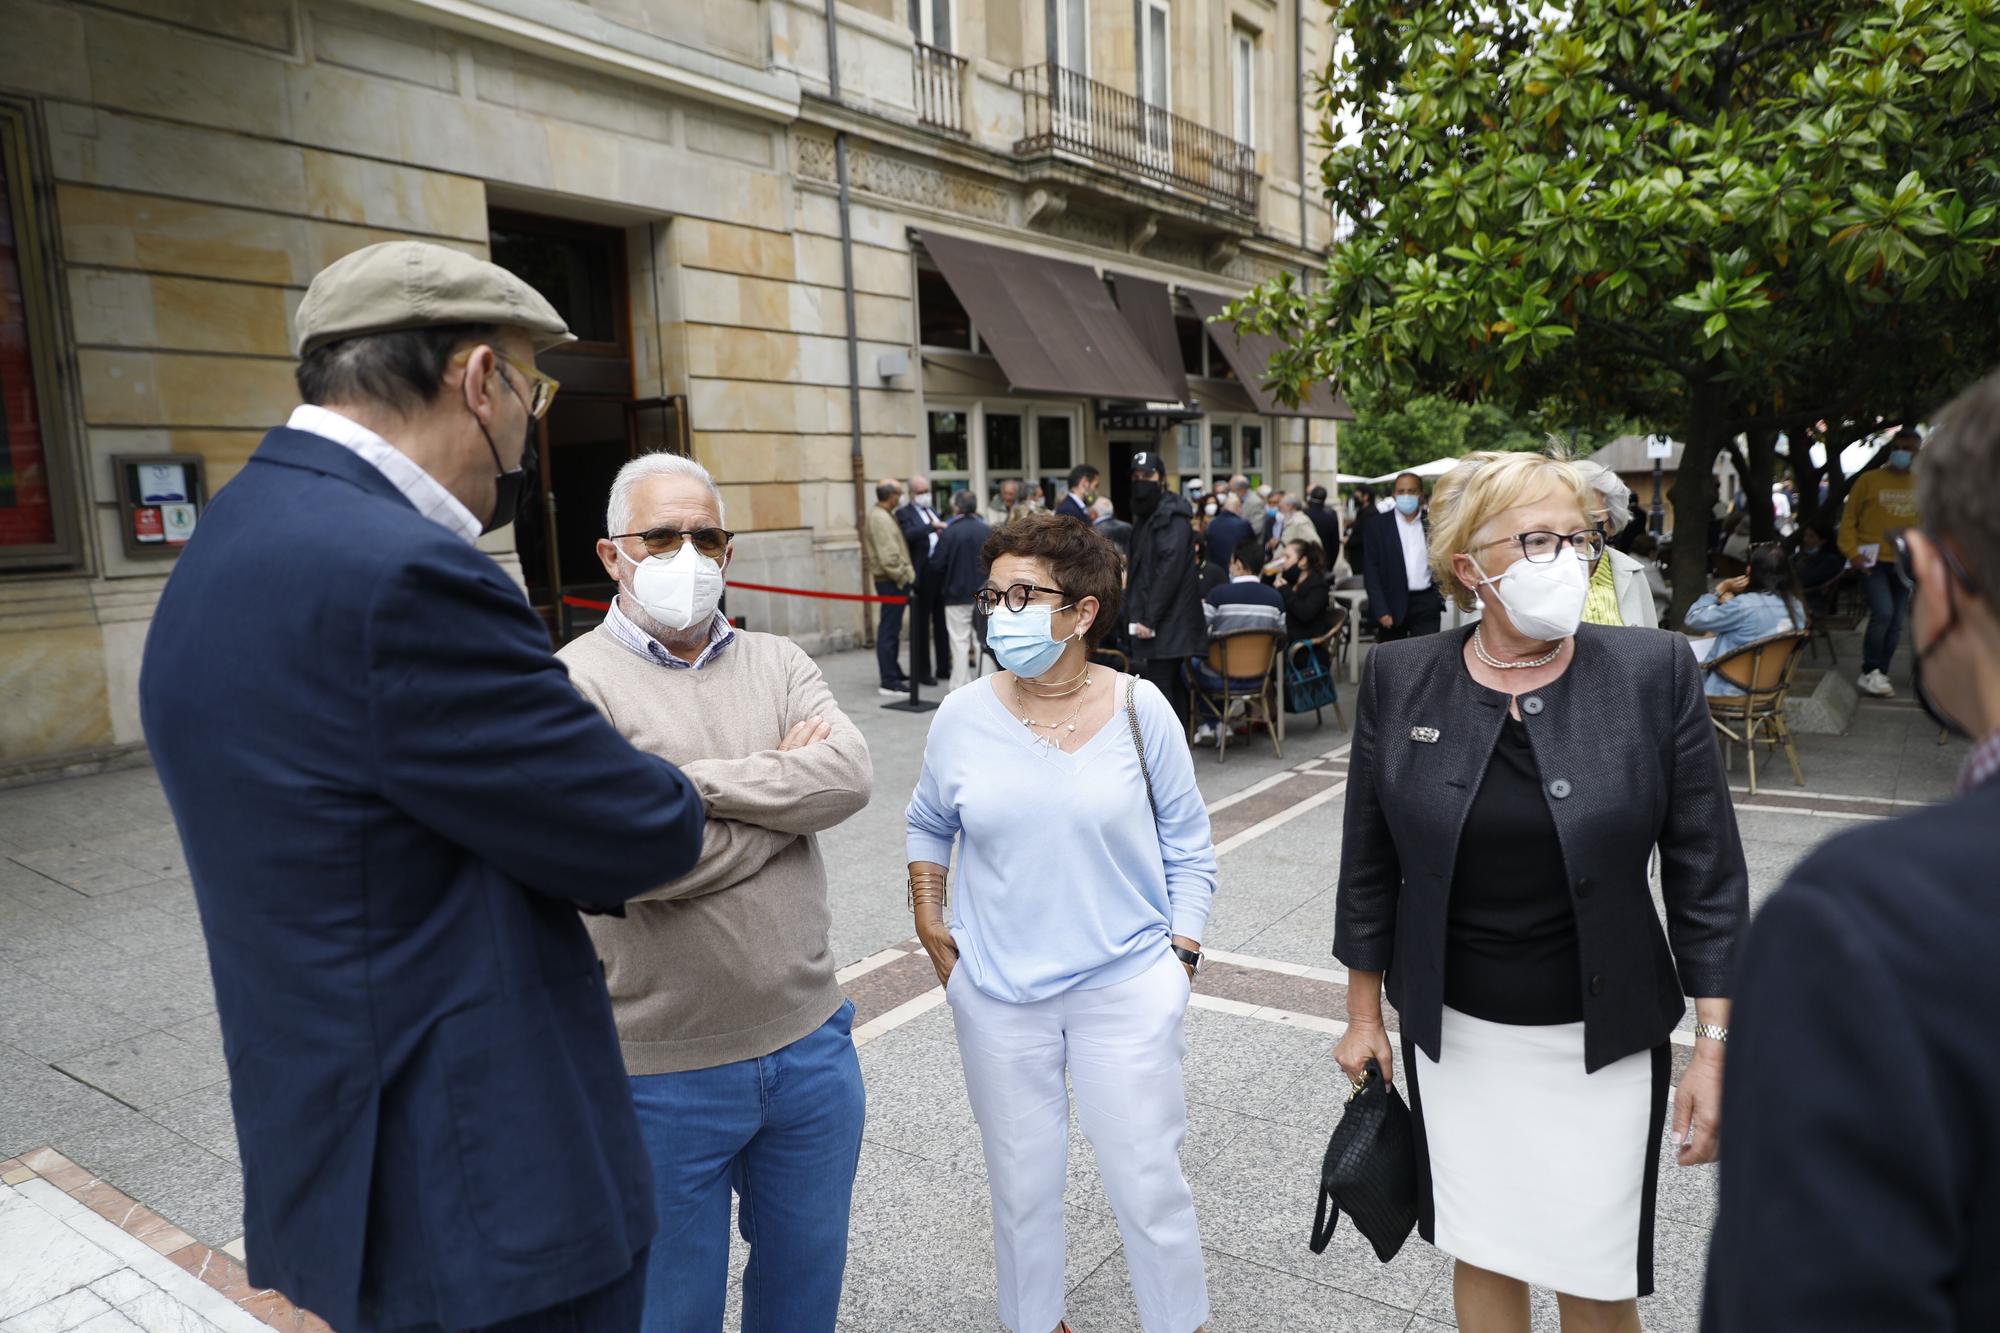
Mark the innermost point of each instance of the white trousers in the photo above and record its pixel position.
(1123, 1046)
(964, 644)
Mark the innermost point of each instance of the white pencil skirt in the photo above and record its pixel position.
(1532, 1168)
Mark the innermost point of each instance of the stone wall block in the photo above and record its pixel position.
(111, 309)
(351, 189)
(107, 148)
(265, 23)
(55, 676)
(44, 50)
(583, 161)
(170, 235)
(376, 43)
(153, 70)
(173, 389)
(342, 111)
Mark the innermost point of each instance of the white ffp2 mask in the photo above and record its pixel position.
(679, 590)
(1543, 601)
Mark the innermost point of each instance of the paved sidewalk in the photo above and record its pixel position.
(110, 1053)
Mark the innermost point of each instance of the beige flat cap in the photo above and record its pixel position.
(413, 285)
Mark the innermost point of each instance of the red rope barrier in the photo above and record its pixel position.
(589, 605)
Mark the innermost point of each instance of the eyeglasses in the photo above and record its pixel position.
(988, 600)
(1539, 548)
(711, 542)
(541, 388)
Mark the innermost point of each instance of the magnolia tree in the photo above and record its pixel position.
(1730, 219)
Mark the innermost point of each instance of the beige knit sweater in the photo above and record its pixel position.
(730, 961)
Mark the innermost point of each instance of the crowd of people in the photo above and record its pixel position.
(522, 960)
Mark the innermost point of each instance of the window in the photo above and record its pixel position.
(979, 445)
(949, 440)
(1005, 456)
(941, 320)
(34, 523)
(1155, 78)
(1055, 433)
(1243, 65)
(1069, 34)
(1192, 336)
(1252, 439)
(930, 21)
(1189, 463)
(579, 267)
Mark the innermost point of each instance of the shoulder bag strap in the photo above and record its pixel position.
(1139, 743)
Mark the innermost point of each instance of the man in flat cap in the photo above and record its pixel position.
(393, 803)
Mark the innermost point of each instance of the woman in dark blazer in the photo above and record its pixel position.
(1494, 867)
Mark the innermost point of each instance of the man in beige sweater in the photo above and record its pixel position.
(734, 1032)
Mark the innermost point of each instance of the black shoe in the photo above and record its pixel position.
(893, 691)
(928, 682)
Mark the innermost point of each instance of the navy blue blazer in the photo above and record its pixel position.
(1225, 532)
(392, 801)
(1382, 568)
(1861, 1115)
(961, 570)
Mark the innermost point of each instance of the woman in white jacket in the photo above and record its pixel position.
(1619, 591)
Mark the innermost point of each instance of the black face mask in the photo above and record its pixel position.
(509, 487)
(1145, 498)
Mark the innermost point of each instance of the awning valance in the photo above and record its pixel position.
(1249, 355)
(1051, 324)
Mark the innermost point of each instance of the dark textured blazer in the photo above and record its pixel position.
(1383, 572)
(392, 799)
(1861, 1140)
(1628, 759)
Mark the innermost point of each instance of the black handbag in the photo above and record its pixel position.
(1370, 1171)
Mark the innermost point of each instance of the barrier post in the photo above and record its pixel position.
(915, 703)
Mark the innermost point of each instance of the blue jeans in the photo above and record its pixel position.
(1888, 597)
(784, 1132)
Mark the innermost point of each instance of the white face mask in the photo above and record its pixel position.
(680, 590)
(1542, 601)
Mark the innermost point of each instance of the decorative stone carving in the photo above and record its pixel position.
(1221, 254)
(814, 158)
(1091, 229)
(1143, 231)
(1044, 206)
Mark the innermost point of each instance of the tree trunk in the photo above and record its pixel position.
(1805, 476)
(1693, 497)
(1763, 463)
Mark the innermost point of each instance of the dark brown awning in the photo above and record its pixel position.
(1049, 323)
(1249, 355)
(1150, 311)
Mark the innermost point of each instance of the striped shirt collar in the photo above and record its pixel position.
(419, 487)
(622, 628)
(1981, 766)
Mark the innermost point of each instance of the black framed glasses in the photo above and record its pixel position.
(1539, 548)
(1016, 598)
(711, 542)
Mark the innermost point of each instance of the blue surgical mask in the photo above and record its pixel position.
(1408, 504)
(1024, 641)
(1900, 459)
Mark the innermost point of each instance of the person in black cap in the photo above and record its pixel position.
(1162, 603)
(1325, 521)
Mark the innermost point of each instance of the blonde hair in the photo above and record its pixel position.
(1485, 484)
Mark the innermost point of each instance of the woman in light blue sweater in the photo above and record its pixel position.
(1752, 606)
(1085, 872)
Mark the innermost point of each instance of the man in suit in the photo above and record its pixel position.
(1115, 529)
(1226, 531)
(961, 573)
(393, 803)
(1082, 490)
(1856, 1202)
(1395, 562)
(1325, 522)
(921, 528)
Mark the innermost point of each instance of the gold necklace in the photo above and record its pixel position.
(1065, 726)
(1061, 689)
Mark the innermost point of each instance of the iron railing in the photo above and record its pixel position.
(940, 87)
(1068, 112)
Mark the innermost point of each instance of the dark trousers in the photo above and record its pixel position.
(929, 641)
(1888, 599)
(614, 1308)
(1165, 672)
(887, 631)
(1424, 615)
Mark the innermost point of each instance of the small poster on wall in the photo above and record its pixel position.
(160, 499)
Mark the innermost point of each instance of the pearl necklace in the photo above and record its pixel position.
(1066, 726)
(1479, 650)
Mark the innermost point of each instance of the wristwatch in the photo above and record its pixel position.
(1713, 1032)
(1191, 957)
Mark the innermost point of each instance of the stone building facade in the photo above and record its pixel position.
(669, 172)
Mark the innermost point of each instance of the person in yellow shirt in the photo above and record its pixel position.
(1882, 502)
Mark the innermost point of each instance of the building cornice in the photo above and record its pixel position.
(574, 34)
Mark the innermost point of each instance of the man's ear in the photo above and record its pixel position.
(477, 386)
(607, 554)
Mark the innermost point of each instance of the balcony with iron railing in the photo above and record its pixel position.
(1068, 114)
(940, 89)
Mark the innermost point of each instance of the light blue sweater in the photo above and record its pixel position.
(1063, 880)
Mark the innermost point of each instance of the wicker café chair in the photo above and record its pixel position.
(1246, 655)
(1763, 670)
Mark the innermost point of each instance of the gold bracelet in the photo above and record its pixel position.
(926, 882)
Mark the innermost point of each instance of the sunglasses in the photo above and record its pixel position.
(711, 542)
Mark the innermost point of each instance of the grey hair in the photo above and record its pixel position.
(965, 502)
(1955, 481)
(1103, 507)
(1611, 489)
(618, 513)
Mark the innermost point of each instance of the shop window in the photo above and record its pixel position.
(34, 528)
(1003, 443)
(1189, 463)
(950, 444)
(1253, 450)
